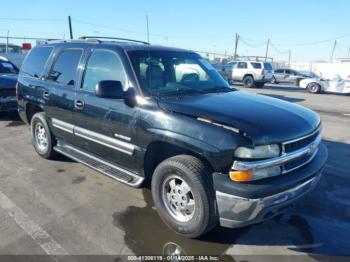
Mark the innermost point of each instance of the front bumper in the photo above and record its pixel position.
(256, 202)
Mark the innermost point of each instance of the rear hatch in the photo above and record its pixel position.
(268, 70)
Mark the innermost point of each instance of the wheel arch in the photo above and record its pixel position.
(31, 110)
(158, 151)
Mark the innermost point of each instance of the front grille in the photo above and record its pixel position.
(296, 163)
(298, 144)
(290, 147)
(7, 92)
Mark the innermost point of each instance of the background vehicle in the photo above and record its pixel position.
(287, 76)
(318, 85)
(137, 112)
(251, 74)
(8, 80)
(310, 74)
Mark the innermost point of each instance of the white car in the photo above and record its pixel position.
(251, 73)
(318, 85)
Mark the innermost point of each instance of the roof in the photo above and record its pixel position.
(126, 45)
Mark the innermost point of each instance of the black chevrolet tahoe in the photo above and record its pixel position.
(143, 113)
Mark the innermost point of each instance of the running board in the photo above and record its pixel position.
(96, 163)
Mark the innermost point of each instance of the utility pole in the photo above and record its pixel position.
(289, 56)
(267, 48)
(7, 41)
(236, 46)
(147, 28)
(70, 27)
(349, 53)
(335, 44)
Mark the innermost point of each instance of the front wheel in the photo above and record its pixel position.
(183, 195)
(42, 139)
(313, 88)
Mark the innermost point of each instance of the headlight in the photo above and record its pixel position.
(266, 151)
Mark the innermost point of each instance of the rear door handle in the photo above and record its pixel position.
(46, 94)
(79, 104)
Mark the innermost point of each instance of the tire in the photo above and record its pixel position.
(313, 88)
(248, 81)
(42, 138)
(274, 81)
(187, 172)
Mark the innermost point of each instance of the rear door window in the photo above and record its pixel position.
(35, 61)
(242, 65)
(65, 68)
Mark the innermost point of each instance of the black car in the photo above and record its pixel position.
(287, 76)
(8, 80)
(143, 113)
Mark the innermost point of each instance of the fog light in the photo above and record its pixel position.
(240, 176)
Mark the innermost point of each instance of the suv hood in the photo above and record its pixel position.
(8, 80)
(262, 118)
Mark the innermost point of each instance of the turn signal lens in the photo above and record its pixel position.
(240, 176)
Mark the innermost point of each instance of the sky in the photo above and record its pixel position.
(307, 28)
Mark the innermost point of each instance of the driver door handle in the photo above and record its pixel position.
(79, 104)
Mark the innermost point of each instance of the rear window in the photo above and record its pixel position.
(34, 63)
(267, 66)
(256, 65)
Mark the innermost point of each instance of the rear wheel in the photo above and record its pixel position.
(42, 138)
(183, 195)
(313, 88)
(248, 81)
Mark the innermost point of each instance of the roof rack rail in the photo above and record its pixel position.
(112, 38)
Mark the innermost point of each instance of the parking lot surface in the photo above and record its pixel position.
(62, 207)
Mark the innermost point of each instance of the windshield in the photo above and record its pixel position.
(172, 73)
(8, 68)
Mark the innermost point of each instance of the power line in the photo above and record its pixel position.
(31, 19)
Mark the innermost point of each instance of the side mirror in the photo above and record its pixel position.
(109, 89)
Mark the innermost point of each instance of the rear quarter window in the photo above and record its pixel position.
(35, 61)
(256, 65)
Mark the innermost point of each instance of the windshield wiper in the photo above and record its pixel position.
(218, 89)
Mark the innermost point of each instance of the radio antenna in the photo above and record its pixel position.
(147, 23)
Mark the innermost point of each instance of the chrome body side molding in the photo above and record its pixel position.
(113, 143)
(64, 126)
